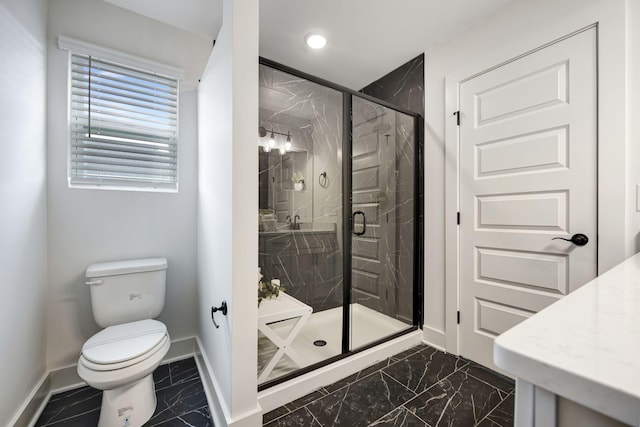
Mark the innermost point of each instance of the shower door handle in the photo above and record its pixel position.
(353, 223)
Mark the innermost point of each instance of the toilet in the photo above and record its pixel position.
(121, 358)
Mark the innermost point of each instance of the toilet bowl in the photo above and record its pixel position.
(120, 360)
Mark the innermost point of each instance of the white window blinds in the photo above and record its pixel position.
(124, 125)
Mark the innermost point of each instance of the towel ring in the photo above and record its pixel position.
(322, 180)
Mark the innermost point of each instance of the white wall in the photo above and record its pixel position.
(23, 233)
(632, 28)
(521, 26)
(228, 211)
(88, 226)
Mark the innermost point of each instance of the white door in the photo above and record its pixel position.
(528, 174)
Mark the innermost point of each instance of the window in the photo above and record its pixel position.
(123, 125)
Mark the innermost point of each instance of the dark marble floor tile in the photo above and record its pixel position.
(161, 377)
(183, 370)
(177, 400)
(275, 414)
(88, 419)
(198, 418)
(458, 400)
(341, 383)
(502, 416)
(357, 376)
(410, 351)
(292, 406)
(183, 403)
(491, 377)
(299, 417)
(421, 370)
(361, 402)
(401, 417)
(70, 404)
(371, 369)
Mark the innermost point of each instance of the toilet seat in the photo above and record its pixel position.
(119, 346)
(107, 376)
(121, 365)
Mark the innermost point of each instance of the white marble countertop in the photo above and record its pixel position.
(586, 346)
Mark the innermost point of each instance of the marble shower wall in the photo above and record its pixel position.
(403, 87)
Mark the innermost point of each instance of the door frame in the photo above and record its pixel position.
(610, 127)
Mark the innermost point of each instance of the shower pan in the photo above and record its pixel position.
(340, 188)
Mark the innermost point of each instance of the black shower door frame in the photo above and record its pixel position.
(418, 238)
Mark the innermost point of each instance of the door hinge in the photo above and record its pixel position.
(457, 114)
(458, 317)
(458, 218)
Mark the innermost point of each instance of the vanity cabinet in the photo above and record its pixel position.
(306, 263)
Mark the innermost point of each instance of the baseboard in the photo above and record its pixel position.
(217, 405)
(34, 404)
(435, 338)
(280, 394)
(67, 378)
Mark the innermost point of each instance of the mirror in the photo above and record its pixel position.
(284, 184)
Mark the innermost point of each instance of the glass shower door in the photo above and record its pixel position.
(382, 218)
(300, 234)
(339, 228)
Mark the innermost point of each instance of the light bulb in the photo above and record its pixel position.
(287, 145)
(282, 150)
(316, 41)
(266, 148)
(272, 140)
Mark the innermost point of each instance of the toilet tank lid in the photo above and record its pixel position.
(126, 267)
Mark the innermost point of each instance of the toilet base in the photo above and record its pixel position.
(130, 405)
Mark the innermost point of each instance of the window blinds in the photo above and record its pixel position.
(124, 125)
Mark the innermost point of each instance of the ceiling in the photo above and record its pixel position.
(366, 38)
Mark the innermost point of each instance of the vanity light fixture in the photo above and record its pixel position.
(285, 147)
(315, 40)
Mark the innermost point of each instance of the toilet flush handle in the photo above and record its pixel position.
(93, 282)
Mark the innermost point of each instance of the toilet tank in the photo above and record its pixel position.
(126, 291)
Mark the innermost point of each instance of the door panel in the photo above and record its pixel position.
(528, 173)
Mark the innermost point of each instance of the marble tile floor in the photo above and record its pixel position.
(419, 387)
(181, 401)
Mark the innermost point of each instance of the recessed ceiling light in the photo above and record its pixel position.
(315, 41)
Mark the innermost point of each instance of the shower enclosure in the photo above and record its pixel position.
(340, 187)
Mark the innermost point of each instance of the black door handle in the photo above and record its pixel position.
(576, 239)
(353, 223)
